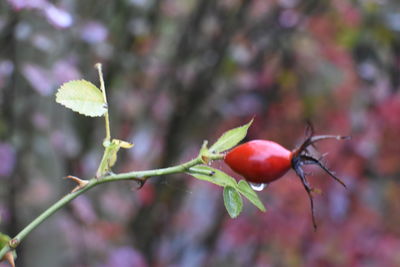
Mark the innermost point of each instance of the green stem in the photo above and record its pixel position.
(135, 175)
(103, 90)
(107, 139)
(108, 132)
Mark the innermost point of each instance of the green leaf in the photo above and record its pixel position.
(230, 138)
(83, 97)
(9, 256)
(245, 189)
(212, 175)
(233, 201)
(110, 155)
(4, 240)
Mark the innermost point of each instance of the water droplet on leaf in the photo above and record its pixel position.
(258, 187)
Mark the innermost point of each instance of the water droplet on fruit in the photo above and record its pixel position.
(258, 187)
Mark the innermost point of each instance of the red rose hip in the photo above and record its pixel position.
(259, 161)
(263, 161)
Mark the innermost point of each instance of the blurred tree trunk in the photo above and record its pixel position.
(187, 115)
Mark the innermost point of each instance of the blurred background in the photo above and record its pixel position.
(178, 72)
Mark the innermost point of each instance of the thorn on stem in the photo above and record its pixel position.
(140, 184)
(81, 183)
(9, 257)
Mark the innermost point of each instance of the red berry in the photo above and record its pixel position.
(259, 161)
(263, 161)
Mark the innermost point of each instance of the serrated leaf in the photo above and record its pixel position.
(83, 97)
(110, 155)
(233, 201)
(212, 175)
(245, 189)
(230, 138)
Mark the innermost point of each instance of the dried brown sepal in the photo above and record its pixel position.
(205, 159)
(302, 156)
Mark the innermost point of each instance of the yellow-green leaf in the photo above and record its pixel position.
(233, 201)
(124, 144)
(4, 240)
(110, 155)
(83, 97)
(9, 256)
(212, 175)
(230, 138)
(245, 189)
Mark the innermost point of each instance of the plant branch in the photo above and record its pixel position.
(103, 90)
(141, 176)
